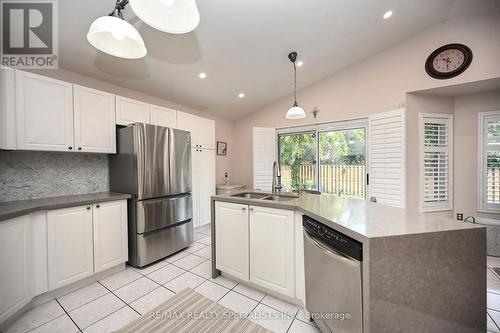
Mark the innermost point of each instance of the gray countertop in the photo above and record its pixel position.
(11, 209)
(357, 218)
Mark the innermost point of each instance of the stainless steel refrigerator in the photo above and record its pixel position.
(153, 163)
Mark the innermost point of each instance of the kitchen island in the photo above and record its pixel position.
(420, 273)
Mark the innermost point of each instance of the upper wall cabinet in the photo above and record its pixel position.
(163, 116)
(202, 130)
(129, 111)
(44, 113)
(94, 120)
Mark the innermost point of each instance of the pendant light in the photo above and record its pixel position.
(295, 112)
(172, 16)
(113, 35)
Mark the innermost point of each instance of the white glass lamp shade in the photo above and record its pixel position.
(116, 37)
(295, 112)
(172, 16)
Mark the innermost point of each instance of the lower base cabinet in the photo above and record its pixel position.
(110, 234)
(256, 244)
(272, 249)
(70, 245)
(15, 260)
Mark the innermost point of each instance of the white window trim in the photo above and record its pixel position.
(421, 118)
(483, 207)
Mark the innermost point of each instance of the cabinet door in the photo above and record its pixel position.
(206, 133)
(206, 184)
(69, 242)
(231, 239)
(187, 122)
(272, 249)
(163, 117)
(110, 234)
(44, 113)
(195, 171)
(15, 260)
(129, 111)
(94, 120)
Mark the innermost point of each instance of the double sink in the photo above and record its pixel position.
(265, 196)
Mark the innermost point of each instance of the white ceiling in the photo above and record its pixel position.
(243, 46)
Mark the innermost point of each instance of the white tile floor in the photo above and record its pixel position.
(493, 295)
(107, 305)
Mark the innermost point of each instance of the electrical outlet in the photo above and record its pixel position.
(460, 216)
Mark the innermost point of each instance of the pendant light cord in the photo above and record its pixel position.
(295, 83)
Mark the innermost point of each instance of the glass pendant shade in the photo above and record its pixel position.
(117, 37)
(172, 16)
(295, 112)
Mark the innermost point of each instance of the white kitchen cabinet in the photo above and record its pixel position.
(300, 279)
(202, 130)
(163, 116)
(231, 237)
(70, 245)
(15, 260)
(130, 111)
(203, 184)
(7, 108)
(110, 234)
(205, 133)
(272, 249)
(94, 119)
(44, 113)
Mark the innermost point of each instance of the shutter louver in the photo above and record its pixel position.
(387, 157)
(436, 162)
(264, 155)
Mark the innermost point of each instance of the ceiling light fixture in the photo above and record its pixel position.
(300, 63)
(241, 95)
(295, 112)
(202, 76)
(113, 35)
(387, 14)
(172, 16)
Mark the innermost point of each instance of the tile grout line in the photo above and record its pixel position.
(34, 328)
(493, 320)
(67, 314)
(126, 304)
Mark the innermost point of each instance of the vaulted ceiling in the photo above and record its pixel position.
(242, 46)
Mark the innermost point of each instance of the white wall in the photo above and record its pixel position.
(378, 83)
(223, 127)
(465, 155)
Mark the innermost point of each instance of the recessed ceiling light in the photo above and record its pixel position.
(241, 95)
(202, 75)
(300, 63)
(387, 14)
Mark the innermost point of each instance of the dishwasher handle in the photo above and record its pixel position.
(329, 251)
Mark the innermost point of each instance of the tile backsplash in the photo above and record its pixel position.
(30, 175)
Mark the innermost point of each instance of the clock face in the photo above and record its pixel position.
(448, 61)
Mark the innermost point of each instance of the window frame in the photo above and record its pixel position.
(318, 128)
(482, 206)
(447, 205)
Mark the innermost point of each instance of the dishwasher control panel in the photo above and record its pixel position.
(333, 238)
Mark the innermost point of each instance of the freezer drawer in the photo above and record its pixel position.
(333, 287)
(159, 244)
(154, 214)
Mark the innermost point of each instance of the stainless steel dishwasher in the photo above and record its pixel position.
(333, 278)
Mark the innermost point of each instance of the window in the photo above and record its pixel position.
(489, 162)
(329, 157)
(436, 147)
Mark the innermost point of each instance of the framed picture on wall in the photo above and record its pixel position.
(221, 148)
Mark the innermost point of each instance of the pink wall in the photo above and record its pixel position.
(379, 83)
(223, 127)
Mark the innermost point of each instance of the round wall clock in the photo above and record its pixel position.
(448, 61)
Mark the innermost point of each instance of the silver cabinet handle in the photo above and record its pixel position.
(243, 208)
(251, 208)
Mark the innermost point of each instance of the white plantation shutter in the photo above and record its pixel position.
(436, 148)
(264, 155)
(489, 162)
(387, 158)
